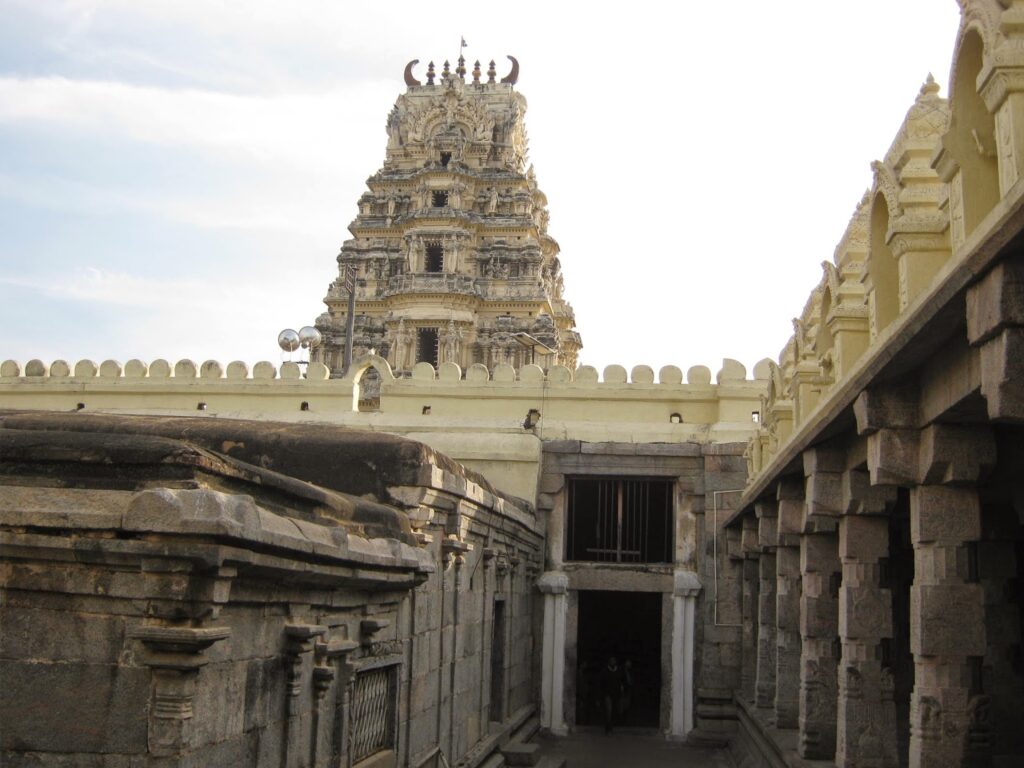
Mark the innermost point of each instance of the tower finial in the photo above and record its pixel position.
(930, 87)
(512, 77)
(430, 73)
(476, 72)
(446, 72)
(491, 72)
(409, 79)
(460, 69)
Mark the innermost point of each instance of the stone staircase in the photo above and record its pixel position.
(520, 751)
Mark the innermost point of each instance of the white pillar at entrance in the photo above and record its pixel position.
(554, 585)
(684, 601)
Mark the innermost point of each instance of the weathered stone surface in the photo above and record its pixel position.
(99, 707)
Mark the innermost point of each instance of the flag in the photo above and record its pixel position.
(464, 44)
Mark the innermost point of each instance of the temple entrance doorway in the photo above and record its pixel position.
(626, 626)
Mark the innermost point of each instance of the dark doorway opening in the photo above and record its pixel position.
(434, 258)
(626, 625)
(426, 346)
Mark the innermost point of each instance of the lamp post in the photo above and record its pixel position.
(306, 337)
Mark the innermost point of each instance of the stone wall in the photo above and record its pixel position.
(177, 592)
(478, 417)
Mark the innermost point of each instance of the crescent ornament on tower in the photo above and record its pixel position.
(409, 79)
(512, 77)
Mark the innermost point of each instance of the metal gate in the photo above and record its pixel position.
(373, 713)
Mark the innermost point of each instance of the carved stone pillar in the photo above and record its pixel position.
(175, 654)
(790, 495)
(748, 634)
(299, 645)
(332, 669)
(819, 647)
(764, 689)
(554, 585)
(821, 504)
(947, 624)
(866, 718)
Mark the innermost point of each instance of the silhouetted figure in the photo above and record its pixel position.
(612, 684)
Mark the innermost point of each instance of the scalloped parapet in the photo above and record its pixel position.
(631, 405)
(237, 370)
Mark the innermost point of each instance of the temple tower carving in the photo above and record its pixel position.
(450, 249)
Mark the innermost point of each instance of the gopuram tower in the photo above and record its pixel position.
(450, 251)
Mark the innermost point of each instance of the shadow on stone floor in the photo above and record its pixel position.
(629, 748)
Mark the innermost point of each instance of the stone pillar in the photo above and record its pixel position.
(300, 640)
(554, 585)
(947, 624)
(684, 599)
(819, 616)
(748, 634)
(866, 717)
(790, 495)
(764, 689)
(819, 567)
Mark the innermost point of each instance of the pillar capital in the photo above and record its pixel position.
(860, 497)
(553, 583)
(893, 406)
(823, 469)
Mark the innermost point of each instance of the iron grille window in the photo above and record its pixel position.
(373, 712)
(619, 520)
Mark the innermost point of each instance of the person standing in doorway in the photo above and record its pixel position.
(612, 682)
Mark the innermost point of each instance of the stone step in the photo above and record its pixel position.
(517, 753)
(496, 760)
(527, 730)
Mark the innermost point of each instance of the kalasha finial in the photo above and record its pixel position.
(476, 72)
(430, 73)
(460, 70)
(491, 72)
(446, 72)
(930, 87)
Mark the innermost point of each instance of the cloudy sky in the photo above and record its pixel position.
(176, 178)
